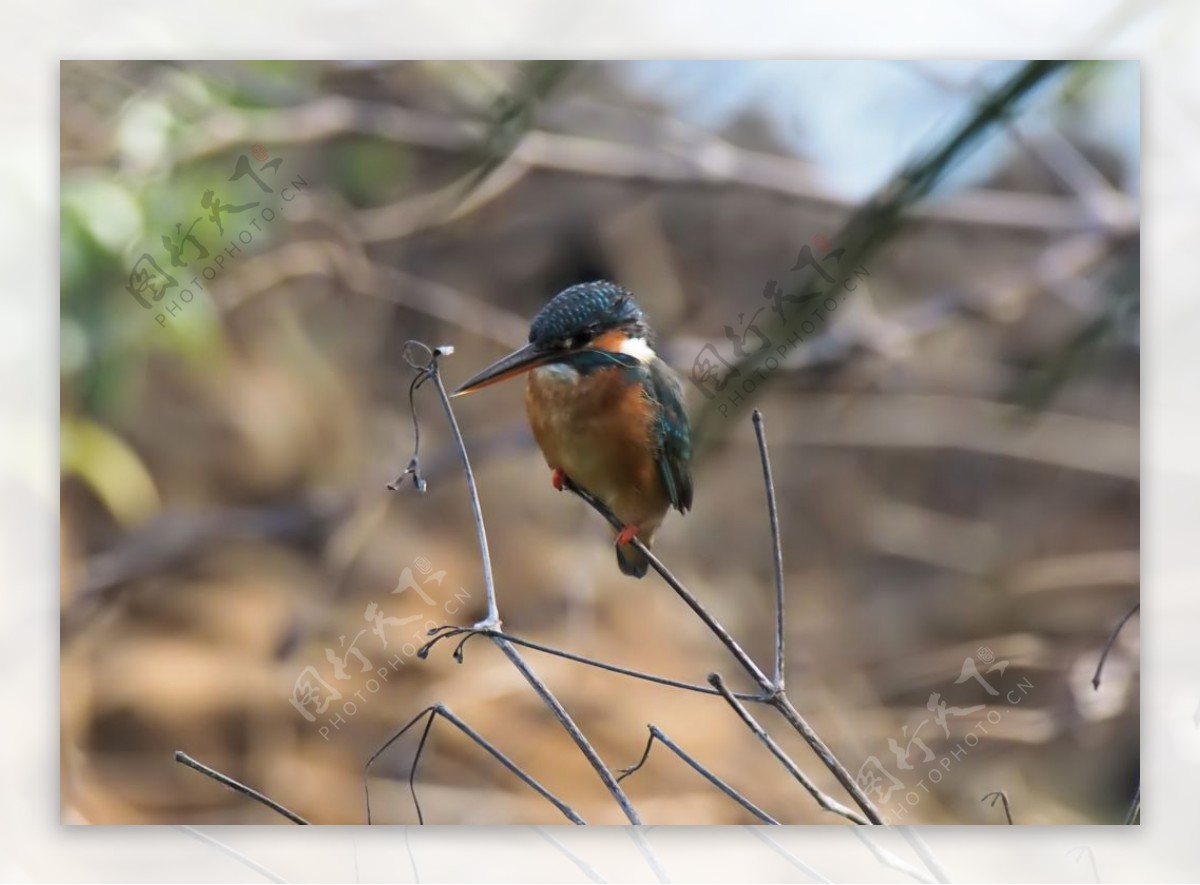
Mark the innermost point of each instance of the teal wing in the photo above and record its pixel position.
(673, 432)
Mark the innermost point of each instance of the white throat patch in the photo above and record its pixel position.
(638, 348)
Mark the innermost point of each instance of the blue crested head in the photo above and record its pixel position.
(579, 313)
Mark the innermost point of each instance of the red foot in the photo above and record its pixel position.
(626, 534)
(557, 478)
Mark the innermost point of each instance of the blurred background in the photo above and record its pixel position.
(245, 250)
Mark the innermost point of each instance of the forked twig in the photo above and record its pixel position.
(656, 734)
(826, 802)
(432, 713)
(238, 787)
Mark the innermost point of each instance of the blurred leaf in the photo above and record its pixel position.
(110, 468)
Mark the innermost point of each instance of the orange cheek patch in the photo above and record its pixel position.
(610, 341)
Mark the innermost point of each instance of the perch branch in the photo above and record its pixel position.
(712, 623)
(772, 694)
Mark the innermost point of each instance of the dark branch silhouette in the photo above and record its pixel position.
(238, 787)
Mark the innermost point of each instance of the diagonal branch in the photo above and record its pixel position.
(238, 787)
(826, 802)
(773, 694)
(712, 623)
(656, 734)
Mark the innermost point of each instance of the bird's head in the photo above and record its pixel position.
(598, 315)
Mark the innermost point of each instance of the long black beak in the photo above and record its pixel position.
(522, 360)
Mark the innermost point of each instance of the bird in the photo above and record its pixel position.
(605, 410)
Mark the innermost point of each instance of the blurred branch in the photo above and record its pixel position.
(325, 258)
(656, 734)
(706, 160)
(175, 537)
(184, 759)
(1109, 644)
(973, 425)
(433, 712)
(879, 219)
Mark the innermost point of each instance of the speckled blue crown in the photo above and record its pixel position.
(583, 311)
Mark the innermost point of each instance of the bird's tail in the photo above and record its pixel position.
(631, 560)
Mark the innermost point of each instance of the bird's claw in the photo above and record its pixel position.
(626, 534)
(558, 478)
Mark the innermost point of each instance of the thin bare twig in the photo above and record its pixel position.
(448, 632)
(776, 549)
(491, 623)
(825, 801)
(1108, 646)
(1003, 798)
(238, 787)
(432, 713)
(656, 734)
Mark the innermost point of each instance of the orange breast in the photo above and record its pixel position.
(597, 428)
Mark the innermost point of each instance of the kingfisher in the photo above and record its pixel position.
(605, 410)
